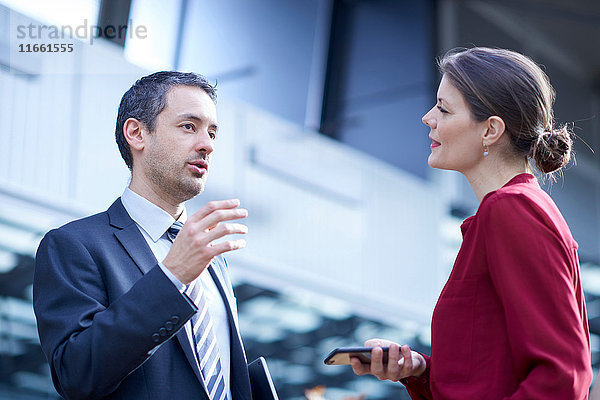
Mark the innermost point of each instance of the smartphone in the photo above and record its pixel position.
(341, 355)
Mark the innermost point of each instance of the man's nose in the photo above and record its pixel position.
(204, 144)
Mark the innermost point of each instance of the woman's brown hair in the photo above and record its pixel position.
(513, 87)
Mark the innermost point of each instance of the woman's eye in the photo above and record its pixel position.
(442, 110)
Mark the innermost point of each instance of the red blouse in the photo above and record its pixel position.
(511, 321)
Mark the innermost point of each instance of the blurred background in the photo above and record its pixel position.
(352, 235)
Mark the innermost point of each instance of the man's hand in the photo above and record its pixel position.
(193, 249)
(402, 362)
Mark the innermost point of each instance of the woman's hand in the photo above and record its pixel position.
(402, 361)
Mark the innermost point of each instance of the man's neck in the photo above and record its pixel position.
(157, 197)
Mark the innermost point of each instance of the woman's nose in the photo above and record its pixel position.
(428, 119)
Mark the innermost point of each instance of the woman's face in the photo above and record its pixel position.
(456, 138)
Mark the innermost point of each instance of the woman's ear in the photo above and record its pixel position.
(133, 132)
(494, 130)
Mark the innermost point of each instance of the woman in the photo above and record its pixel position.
(511, 321)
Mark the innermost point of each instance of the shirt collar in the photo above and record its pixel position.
(150, 217)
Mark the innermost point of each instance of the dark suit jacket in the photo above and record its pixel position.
(110, 320)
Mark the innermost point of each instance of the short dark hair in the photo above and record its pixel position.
(513, 87)
(148, 97)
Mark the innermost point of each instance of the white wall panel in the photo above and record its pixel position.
(100, 172)
(323, 216)
(402, 240)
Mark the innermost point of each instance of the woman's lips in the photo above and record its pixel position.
(434, 143)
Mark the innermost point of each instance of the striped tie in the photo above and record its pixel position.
(205, 339)
(174, 230)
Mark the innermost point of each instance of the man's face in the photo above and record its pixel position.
(176, 157)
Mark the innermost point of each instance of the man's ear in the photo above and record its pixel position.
(495, 129)
(133, 130)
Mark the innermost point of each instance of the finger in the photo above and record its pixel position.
(358, 367)
(377, 367)
(212, 206)
(225, 229)
(228, 245)
(218, 216)
(420, 365)
(407, 364)
(393, 367)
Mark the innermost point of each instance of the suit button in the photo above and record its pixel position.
(174, 319)
(169, 326)
(156, 337)
(162, 331)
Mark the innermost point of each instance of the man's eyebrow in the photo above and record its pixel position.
(189, 116)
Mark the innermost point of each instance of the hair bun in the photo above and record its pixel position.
(552, 149)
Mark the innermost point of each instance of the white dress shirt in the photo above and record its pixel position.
(153, 222)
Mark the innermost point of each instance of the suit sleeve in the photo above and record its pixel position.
(535, 277)
(93, 342)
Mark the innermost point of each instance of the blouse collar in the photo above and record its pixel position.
(518, 179)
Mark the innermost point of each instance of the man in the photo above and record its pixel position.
(130, 304)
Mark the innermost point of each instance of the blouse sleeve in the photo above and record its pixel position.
(418, 387)
(535, 274)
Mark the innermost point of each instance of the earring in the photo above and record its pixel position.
(486, 150)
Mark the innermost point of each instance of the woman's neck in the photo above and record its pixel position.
(492, 175)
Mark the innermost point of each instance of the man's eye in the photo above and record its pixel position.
(188, 126)
(212, 135)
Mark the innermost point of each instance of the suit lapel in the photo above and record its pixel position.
(135, 245)
(131, 238)
(233, 331)
(240, 380)
(189, 354)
